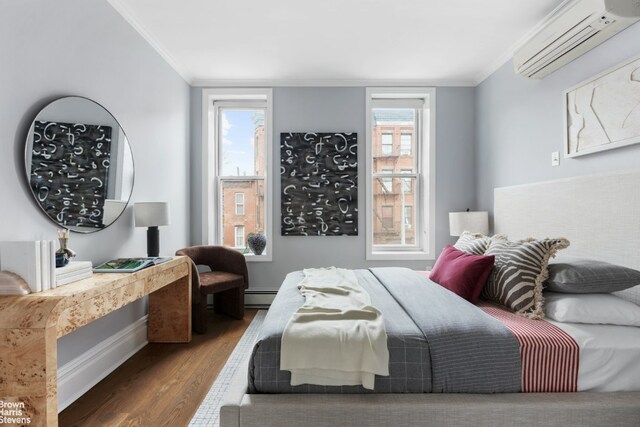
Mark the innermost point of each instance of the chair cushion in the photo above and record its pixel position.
(218, 281)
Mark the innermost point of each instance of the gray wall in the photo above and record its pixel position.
(196, 166)
(519, 122)
(84, 47)
(325, 109)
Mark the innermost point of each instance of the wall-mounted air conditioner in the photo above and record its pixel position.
(576, 28)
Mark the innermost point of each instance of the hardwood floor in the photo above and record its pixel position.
(162, 384)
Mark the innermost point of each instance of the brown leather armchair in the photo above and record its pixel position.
(227, 279)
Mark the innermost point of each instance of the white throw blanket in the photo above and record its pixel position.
(336, 337)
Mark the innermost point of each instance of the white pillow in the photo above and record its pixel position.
(591, 308)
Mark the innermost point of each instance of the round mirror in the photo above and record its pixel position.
(79, 164)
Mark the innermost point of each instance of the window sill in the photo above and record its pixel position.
(258, 258)
(399, 256)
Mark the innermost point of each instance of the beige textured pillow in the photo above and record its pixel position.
(519, 272)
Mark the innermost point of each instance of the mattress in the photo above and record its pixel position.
(609, 356)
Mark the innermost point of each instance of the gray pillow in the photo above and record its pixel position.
(589, 277)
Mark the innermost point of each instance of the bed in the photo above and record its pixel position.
(573, 208)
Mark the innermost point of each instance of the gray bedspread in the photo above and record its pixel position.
(438, 342)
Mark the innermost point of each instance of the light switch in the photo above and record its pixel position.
(555, 158)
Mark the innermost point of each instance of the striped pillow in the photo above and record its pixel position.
(519, 272)
(472, 243)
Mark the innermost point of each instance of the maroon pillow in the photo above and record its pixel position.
(462, 273)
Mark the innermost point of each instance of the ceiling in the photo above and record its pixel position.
(334, 42)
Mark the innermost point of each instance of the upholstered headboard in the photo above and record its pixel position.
(599, 214)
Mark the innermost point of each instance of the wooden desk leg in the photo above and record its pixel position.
(28, 375)
(170, 312)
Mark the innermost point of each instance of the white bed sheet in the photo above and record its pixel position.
(609, 356)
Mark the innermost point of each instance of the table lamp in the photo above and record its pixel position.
(152, 215)
(475, 222)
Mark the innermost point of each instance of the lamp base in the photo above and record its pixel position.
(153, 242)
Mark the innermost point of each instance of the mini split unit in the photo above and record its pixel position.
(576, 28)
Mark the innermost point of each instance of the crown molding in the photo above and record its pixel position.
(126, 13)
(508, 54)
(327, 83)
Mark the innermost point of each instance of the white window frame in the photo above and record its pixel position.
(239, 204)
(424, 189)
(212, 229)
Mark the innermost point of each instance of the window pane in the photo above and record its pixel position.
(405, 144)
(239, 236)
(386, 183)
(407, 185)
(393, 216)
(387, 217)
(242, 142)
(408, 217)
(239, 203)
(387, 143)
(251, 191)
(386, 123)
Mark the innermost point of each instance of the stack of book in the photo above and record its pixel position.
(74, 271)
(34, 261)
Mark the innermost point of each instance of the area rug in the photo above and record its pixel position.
(208, 414)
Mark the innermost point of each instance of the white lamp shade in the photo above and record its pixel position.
(475, 222)
(151, 214)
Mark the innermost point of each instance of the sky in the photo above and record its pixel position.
(237, 142)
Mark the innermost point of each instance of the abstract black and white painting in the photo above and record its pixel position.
(319, 182)
(69, 171)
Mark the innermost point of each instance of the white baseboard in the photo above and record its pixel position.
(80, 374)
(259, 299)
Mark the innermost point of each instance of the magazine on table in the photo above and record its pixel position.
(129, 265)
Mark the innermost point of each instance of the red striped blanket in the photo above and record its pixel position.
(549, 356)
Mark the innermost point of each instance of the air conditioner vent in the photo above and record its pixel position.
(574, 30)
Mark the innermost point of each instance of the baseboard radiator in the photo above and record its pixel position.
(252, 298)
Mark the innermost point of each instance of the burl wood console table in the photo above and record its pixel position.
(31, 324)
